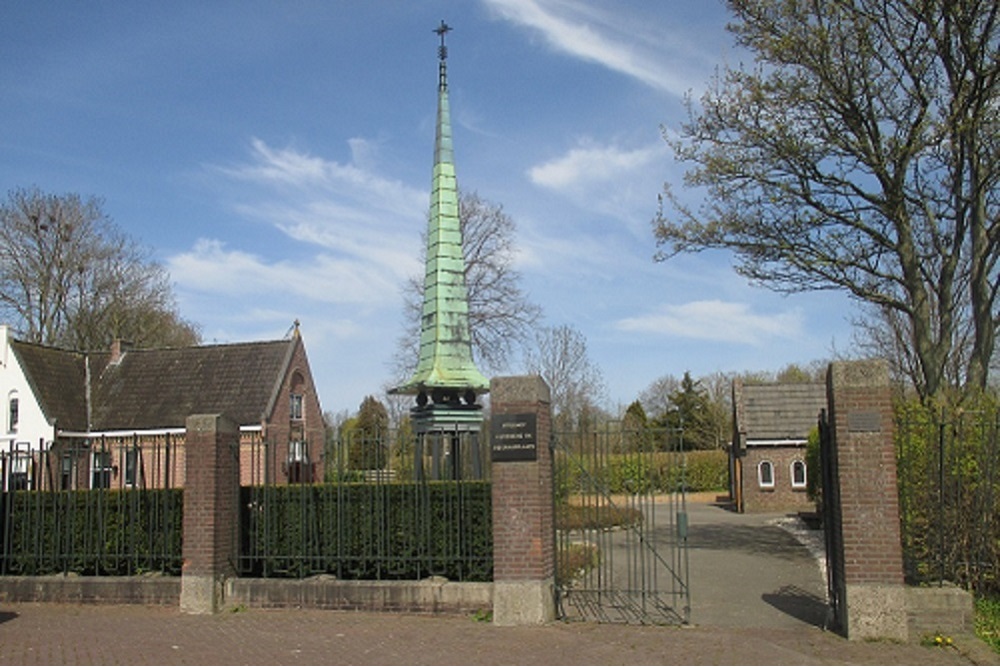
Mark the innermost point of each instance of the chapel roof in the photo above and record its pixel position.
(777, 411)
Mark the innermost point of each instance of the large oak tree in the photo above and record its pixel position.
(859, 153)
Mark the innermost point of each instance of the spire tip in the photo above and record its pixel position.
(441, 31)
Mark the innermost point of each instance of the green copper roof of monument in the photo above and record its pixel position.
(445, 344)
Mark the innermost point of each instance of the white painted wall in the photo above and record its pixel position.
(32, 432)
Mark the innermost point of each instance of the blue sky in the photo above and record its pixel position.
(276, 157)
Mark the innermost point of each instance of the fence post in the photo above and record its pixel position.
(211, 511)
(523, 525)
(862, 425)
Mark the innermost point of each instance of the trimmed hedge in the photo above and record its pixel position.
(91, 532)
(660, 472)
(398, 531)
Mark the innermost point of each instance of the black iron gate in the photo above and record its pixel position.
(621, 526)
(832, 525)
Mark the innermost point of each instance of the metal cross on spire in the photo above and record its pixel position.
(442, 30)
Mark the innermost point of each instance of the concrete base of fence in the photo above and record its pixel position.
(876, 611)
(523, 602)
(147, 590)
(428, 596)
(945, 610)
(202, 593)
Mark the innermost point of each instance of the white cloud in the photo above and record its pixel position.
(604, 37)
(360, 230)
(210, 267)
(356, 185)
(718, 321)
(589, 164)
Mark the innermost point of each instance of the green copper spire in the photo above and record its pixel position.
(445, 361)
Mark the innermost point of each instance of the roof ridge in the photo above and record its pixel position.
(248, 343)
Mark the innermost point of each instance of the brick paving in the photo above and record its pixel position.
(60, 634)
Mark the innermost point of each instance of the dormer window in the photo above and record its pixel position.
(295, 407)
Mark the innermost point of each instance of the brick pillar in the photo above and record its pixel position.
(861, 419)
(523, 525)
(211, 511)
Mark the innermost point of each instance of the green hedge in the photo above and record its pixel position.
(660, 472)
(948, 472)
(92, 532)
(401, 531)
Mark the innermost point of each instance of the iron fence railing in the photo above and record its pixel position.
(378, 506)
(92, 506)
(947, 467)
(391, 506)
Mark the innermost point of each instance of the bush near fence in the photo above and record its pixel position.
(91, 532)
(949, 493)
(383, 531)
(353, 531)
(656, 472)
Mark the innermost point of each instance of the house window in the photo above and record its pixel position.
(20, 472)
(798, 472)
(13, 413)
(297, 452)
(131, 466)
(298, 462)
(295, 408)
(765, 474)
(100, 471)
(66, 470)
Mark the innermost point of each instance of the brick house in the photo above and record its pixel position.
(767, 455)
(77, 420)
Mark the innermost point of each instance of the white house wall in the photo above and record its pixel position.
(32, 430)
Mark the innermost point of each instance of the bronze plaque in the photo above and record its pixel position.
(864, 422)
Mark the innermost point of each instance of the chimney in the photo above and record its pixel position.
(118, 349)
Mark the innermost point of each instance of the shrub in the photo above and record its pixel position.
(92, 532)
(370, 531)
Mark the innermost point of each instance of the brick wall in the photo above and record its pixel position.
(782, 497)
(281, 428)
(523, 524)
(861, 420)
(211, 503)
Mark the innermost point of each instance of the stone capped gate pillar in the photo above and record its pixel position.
(211, 511)
(523, 524)
(861, 420)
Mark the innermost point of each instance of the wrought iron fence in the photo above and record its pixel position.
(379, 506)
(93, 507)
(391, 506)
(621, 519)
(948, 493)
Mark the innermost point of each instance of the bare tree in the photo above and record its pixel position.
(69, 277)
(576, 383)
(860, 154)
(655, 398)
(501, 317)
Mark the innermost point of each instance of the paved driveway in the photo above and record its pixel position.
(746, 570)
